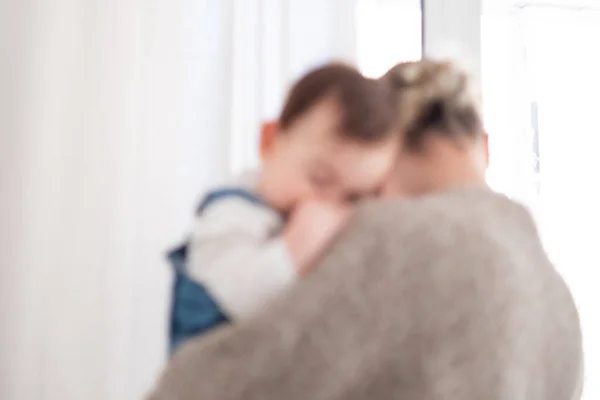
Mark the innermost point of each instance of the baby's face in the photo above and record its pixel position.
(312, 160)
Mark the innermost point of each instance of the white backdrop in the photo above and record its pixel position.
(115, 114)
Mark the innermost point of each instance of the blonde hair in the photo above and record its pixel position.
(434, 98)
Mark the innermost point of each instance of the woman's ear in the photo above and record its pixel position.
(268, 131)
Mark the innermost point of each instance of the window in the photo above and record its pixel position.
(541, 75)
(540, 83)
(388, 32)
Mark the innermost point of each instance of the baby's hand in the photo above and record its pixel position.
(311, 227)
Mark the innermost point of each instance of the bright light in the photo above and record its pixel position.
(388, 32)
(539, 71)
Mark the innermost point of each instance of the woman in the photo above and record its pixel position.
(448, 295)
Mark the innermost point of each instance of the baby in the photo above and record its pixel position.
(332, 145)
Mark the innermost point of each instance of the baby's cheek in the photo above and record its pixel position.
(285, 194)
(299, 191)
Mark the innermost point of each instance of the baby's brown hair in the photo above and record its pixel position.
(434, 98)
(366, 107)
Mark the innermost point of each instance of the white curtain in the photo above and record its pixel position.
(114, 115)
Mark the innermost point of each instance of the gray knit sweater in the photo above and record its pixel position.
(447, 297)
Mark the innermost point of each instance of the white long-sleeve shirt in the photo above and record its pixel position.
(236, 252)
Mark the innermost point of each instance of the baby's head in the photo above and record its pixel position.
(334, 139)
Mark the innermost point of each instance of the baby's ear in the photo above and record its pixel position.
(268, 131)
(486, 149)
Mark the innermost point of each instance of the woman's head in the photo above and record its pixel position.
(438, 113)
